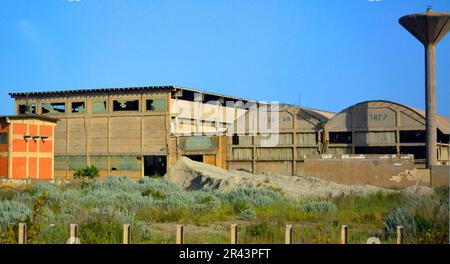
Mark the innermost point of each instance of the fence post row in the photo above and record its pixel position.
(126, 234)
(289, 234)
(180, 234)
(22, 239)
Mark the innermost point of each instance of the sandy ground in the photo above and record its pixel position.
(192, 175)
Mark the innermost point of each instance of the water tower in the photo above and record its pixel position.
(429, 28)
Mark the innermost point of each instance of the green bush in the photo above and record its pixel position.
(248, 215)
(398, 217)
(318, 207)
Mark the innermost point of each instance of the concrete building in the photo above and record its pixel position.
(141, 131)
(134, 131)
(26, 147)
(383, 127)
(300, 133)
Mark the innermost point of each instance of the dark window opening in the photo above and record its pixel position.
(124, 105)
(3, 138)
(443, 138)
(235, 139)
(23, 109)
(54, 108)
(198, 158)
(412, 136)
(376, 150)
(150, 105)
(155, 166)
(78, 107)
(187, 95)
(212, 99)
(419, 152)
(341, 137)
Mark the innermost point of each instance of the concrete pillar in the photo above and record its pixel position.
(344, 234)
(73, 231)
(289, 234)
(399, 234)
(430, 100)
(22, 239)
(234, 234)
(126, 234)
(180, 234)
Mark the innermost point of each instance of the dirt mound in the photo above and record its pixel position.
(192, 175)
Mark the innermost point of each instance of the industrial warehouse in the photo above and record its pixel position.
(142, 131)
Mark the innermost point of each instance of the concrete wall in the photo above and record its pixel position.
(114, 139)
(440, 176)
(385, 171)
(298, 137)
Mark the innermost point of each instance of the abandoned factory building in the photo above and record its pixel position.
(141, 131)
(383, 127)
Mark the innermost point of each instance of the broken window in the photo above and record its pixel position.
(23, 109)
(126, 105)
(99, 107)
(78, 107)
(341, 137)
(156, 104)
(443, 138)
(419, 152)
(3, 138)
(235, 139)
(412, 136)
(54, 108)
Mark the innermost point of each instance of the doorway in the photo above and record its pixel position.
(155, 166)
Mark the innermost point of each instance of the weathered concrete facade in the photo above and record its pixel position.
(132, 131)
(142, 131)
(299, 136)
(383, 127)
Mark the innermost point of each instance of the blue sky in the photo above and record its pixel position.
(333, 53)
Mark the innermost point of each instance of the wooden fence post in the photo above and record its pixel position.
(180, 234)
(288, 234)
(234, 234)
(22, 239)
(399, 234)
(126, 234)
(344, 234)
(73, 231)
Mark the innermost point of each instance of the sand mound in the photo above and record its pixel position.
(192, 175)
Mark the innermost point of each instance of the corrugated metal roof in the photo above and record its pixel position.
(127, 89)
(96, 90)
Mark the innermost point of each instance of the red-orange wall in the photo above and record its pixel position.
(4, 151)
(32, 156)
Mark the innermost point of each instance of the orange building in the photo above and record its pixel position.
(27, 147)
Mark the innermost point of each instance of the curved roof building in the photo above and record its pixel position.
(384, 127)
